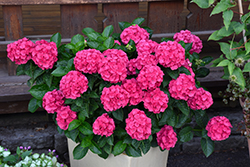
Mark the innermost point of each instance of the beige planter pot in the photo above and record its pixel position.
(155, 157)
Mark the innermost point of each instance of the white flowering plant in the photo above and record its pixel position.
(25, 158)
(121, 92)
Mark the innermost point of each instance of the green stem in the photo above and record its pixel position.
(231, 45)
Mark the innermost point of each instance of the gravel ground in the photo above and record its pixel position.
(227, 158)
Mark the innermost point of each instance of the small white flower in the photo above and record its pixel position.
(239, 62)
(35, 156)
(54, 160)
(6, 153)
(38, 162)
(50, 163)
(26, 160)
(233, 78)
(32, 165)
(1, 149)
(42, 156)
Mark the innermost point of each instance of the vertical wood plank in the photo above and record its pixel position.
(200, 19)
(118, 12)
(164, 16)
(76, 17)
(184, 15)
(13, 28)
(143, 12)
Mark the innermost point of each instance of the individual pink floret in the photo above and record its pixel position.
(44, 54)
(148, 46)
(138, 125)
(20, 51)
(187, 37)
(88, 60)
(155, 101)
(114, 98)
(183, 87)
(219, 128)
(150, 77)
(64, 116)
(166, 137)
(104, 125)
(113, 68)
(134, 33)
(53, 100)
(73, 84)
(135, 92)
(170, 54)
(131, 67)
(145, 59)
(201, 100)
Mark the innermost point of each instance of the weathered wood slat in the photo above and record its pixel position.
(76, 17)
(118, 12)
(13, 107)
(13, 88)
(170, 23)
(13, 25)
(200, 19)
(48, 2)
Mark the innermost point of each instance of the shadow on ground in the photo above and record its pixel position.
(227, 158)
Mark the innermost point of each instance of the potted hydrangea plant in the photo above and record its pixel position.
(115, 93)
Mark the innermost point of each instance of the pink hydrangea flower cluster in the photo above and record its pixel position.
(20, 51)
(64, 116)
(183, 87)
(150, 77)
(201, 100)
(135, 92)
(147, 46)
(88, 60)
(131, 67)
(53, 100)
(138, 125)
(104, 125)
(114, 98)
(145, 59)
(134, 33)
(73, 84)
(144, 49)
(187, 37)
(44, 54)
(166, 137)
(170, 54)
(219, 128)
(155, 101)
(113, 68)
(116, 54)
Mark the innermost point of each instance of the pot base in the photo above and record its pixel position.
(154, 157)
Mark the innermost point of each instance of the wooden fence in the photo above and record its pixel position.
(41, 18)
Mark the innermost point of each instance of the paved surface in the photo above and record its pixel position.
(227, 158)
